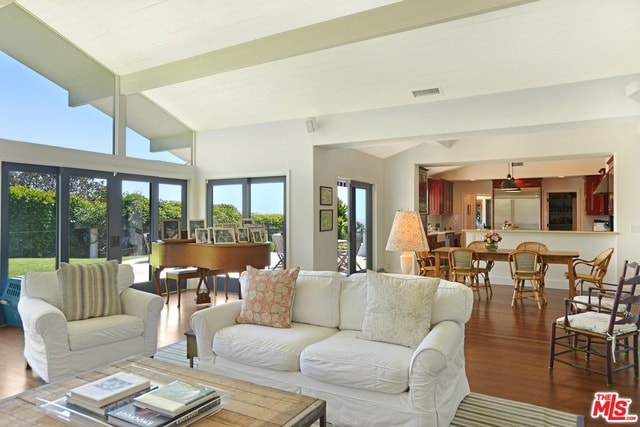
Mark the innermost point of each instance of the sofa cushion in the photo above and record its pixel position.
(353, 301)
(268, 297)
(88, 290)
(97, 331)
(317, 298)
(265, 347)
(344, 359)
(398, 308)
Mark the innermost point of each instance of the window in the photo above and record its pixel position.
(51, 215)
(261, 199)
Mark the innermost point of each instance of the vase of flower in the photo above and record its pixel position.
(491, 240)
(491, 246)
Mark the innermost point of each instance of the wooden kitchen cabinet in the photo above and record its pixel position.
(440, 197)
(423, 191)
(595, 204)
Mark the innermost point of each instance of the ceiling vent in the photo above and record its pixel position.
(426, 92)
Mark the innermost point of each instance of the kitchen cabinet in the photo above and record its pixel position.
(595, 204)
(440, 197)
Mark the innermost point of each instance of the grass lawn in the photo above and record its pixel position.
(19, 266)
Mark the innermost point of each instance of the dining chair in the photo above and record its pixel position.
(484, 266)
(536, 247)
(592, 271)
(611, 334)
(526, 266)
(463, 265)
(603, 296)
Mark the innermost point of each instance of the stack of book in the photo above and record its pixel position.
(175, 404)
(106, 394)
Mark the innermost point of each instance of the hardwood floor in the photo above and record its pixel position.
(506, 354)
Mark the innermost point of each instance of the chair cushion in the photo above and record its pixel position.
(606, 303)
(344, 359)
(88, 290)
(97, 331)
(596, 322)
(265, 347)
(398, 308)
(268, 297)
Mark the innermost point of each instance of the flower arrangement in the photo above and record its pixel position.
(492, 237)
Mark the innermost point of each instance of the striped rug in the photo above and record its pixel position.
(476, 410)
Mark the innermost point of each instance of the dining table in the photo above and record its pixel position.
(502, 255)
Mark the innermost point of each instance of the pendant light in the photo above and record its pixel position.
(509, 184)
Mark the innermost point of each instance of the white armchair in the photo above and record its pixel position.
(55, 348)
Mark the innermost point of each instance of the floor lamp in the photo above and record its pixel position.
(407, 236)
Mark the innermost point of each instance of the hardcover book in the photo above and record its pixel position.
(175, 398)
(109, 389)
(131, 415)
(86, 407)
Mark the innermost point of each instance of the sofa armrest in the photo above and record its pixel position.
(39, 318)
(147, 307)
(205, 323)
(433, 356)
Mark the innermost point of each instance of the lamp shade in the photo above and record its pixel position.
(407, 233)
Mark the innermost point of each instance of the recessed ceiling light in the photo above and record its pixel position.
(426, 92)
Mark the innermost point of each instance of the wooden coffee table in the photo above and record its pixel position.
(248, 405)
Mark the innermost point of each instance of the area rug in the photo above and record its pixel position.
(476, 410)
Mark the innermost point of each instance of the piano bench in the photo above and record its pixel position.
(180, 274)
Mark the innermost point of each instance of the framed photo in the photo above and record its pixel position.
(202, 235)
(192, 225)
(224, 235)
(326, 219)
(257, 235)
(243, 235)
(246, 221)
(326, 196)
(170, 229)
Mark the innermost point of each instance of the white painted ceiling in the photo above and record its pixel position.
(227, 63)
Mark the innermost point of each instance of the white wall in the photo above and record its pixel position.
(285, 148)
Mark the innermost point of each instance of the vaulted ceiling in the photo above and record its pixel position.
(224, 63)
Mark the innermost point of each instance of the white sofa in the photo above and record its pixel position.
(365, 383)
(55, 348)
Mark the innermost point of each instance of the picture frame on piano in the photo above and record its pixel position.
(194, 224)
(247, 221)
(224, 235)
(202, 235)
(256, 235)
(170, 229)
(243, 235)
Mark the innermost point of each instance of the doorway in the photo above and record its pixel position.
(354, 226)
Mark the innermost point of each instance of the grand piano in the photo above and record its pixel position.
(218, 258)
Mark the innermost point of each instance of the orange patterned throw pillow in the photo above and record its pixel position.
(268, 297)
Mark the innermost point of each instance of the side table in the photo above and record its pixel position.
(192, 346)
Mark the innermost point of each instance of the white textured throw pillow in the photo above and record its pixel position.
(398, 309)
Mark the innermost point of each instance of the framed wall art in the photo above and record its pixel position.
(326, 219)
(326, 196)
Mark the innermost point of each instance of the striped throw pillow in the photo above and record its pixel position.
(89, 290)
